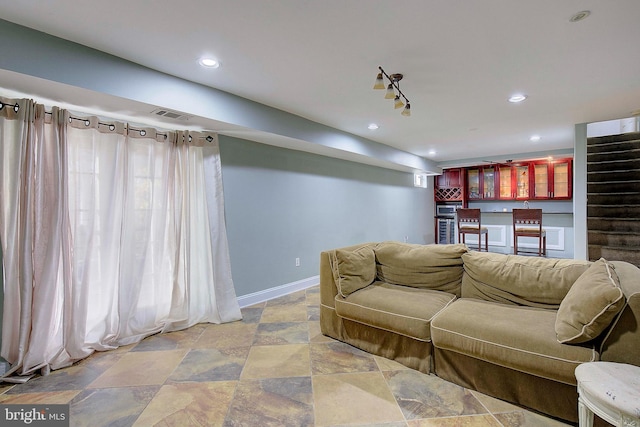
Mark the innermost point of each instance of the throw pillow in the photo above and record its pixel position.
(590, 305)
(353, 270)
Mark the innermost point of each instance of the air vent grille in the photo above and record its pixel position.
(171, 114)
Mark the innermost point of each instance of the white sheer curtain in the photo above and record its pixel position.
(109, 233)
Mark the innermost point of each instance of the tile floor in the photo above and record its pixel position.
(273, 368)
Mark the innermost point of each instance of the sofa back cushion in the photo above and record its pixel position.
(353, 269)
(591, 304)
(436, 267)
(519, 280)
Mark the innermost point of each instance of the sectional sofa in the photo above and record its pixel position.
(513, 327)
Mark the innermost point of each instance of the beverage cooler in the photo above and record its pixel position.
(446, 230)
(446, 223)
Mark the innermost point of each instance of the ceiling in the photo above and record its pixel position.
(461, 60)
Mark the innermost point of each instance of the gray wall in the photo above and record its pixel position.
(284, 204)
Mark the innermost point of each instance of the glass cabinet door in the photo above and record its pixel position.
(506, 189)
(522, 182)
(488, 183)
(541, 181)
(473, 181)
(561, 180)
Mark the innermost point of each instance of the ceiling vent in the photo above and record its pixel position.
(171, 114)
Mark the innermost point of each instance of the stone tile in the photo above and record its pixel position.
(385, 364)
(110, 407)
(272, 402)
(393, 424)
(140, 368)
(357, 398)
(282, 333)
(102, 360)
(495, 405)
(284, 313)
(228, 335)
(338, 357)
(294, 298)
(313, 296)
(189, 404)
(157, 342)
(427, 396)
(251, 314)
(40, 397)
(467, 421)
(313, 313)
(275, 361)
(188, 337)
(527, 419)
(75, 377)
(202, 365)
(316, 336)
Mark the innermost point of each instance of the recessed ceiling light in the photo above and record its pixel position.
(518, 97)
(373, 126)
(534, 138)
(580, 16)
(209, 62)
(432, 152)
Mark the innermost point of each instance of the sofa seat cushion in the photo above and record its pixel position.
(515, 337)
(400, 309)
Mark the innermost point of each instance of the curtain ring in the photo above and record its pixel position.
(16, 107)
(209, 138)
(87, 122)
(143, 132)
(112, 128)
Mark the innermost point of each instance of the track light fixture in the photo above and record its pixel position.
(393, 90)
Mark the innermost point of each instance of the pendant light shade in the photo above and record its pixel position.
(390, 93)
(379, 82)
(407, 110)
(397, 102)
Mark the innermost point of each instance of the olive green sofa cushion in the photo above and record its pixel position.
(353, 269)
(518, 279)
(590, 305)
(515, 337)
(435, 267)
(401, 309)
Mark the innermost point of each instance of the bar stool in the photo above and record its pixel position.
(469, 223)
(528, 223)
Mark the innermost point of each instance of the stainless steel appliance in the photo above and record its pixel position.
(447, 211)
(446, 230)
(446, 223)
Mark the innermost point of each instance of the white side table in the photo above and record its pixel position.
(611, 391)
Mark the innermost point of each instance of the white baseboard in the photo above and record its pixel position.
(278, 291)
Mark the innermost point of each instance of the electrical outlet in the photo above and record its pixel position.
(297, 262)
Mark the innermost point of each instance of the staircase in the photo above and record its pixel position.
(613, 197)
